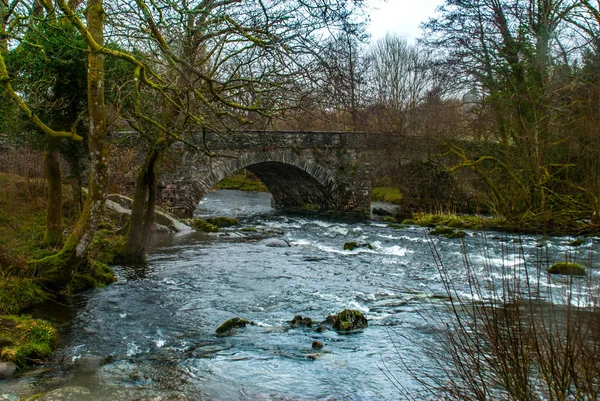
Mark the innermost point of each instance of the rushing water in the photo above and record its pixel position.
(157, 323)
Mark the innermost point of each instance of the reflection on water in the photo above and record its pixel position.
(156, 325)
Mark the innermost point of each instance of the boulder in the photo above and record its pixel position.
(275, 243)
(381, 212)
(230, 324)
(350, 246)
(567, 268)
(118, 208)
(7, 370)
(316, 344)
(301, 321)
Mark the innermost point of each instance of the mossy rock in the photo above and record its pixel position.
(397, 226)
(349, 320)
(577, 242)
(27, 341)
(390, 219)
(352, 245)
(457, 234)
(230, 324)
(301, 321)
(567, 268)
(222, 221)
(249, 230)
(203, 226)
(442, 231)
(408, 222)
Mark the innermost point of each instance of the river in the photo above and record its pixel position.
(156, 325)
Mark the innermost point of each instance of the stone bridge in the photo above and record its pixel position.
(321, 171)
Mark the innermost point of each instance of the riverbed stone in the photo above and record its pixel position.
(230, 324)
(89, 364)
(7, 370)
(71, 393)
(567, 268)
(316, 344)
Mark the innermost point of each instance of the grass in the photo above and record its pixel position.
(386, 194)
(26, 340)
(242, 181)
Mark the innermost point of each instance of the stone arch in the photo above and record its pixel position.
(294, 182)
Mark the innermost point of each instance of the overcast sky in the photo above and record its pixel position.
(400, 16)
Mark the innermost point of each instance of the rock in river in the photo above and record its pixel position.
(567, 268)
(275, 242)
(350, 246)
(349, 320)
(231, 324)
(7, 370)
(301, 321)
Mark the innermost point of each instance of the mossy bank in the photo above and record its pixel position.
(22, 227)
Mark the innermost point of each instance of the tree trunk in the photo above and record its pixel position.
(144, 201)
(56, 271)
(53, 175)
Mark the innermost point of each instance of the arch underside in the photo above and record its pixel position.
(295, 182)
(293, 188)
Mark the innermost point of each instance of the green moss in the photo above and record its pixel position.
(105, 246)
(222, 221)
(442, 231)
(18, 293)
(455, 221)
(567, 268)
(243, 181)
(386, 194)
(203, 226)
(390, 219)
(28, 340)
(408, 222)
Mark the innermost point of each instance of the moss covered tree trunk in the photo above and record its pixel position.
(56, 271)
(52, 171)
(144, 201)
